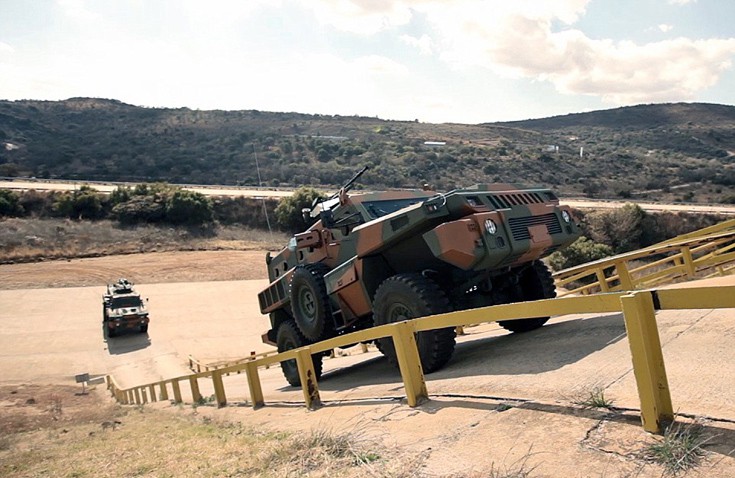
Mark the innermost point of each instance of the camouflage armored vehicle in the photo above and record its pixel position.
(123, 309)
(382, 257)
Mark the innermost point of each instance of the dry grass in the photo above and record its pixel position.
(150, 442)
(28, 240)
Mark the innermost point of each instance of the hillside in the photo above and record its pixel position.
(672, 152)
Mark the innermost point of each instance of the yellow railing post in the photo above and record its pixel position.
(219, 388)
(256, 390)
(153, 393)
(138, 401)
(130, 397)
(196, 396)
(648, 360)
(144, 394)
(604, 287)
(686, 254)
(164, 391)
(307, 375)
(177, 391)
(626, 281)
(407, 353)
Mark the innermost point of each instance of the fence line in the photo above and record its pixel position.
(638, 308)
(710, 250)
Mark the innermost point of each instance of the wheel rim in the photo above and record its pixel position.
(307, 304)
(399, 312)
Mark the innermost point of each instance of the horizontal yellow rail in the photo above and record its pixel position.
(686, 256)
(196, 365)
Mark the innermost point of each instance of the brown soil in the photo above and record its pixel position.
(31, 407)
(147, 268)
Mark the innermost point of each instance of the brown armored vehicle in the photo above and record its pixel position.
(123, 309)
(382, 257)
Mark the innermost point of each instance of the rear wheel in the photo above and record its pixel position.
(535, 283)
(309, 301)
(144, 329)
(289, 337)
(409, 296)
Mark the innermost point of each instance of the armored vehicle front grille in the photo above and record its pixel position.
(519, 225)
(508, 200)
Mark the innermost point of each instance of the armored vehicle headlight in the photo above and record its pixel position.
(566, 217)
(490, 226)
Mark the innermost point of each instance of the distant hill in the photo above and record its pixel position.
(671, 151)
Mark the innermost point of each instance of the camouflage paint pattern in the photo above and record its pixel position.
(365, 238)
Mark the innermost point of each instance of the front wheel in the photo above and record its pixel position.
(535, 283)
(410, 296)
(309, 301)
(289, 337)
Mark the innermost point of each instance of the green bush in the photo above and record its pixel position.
(288, 211)
(621, 228)
(140, 209)
(83, 203)
(10, 203)
(189, 208)
(583, 250)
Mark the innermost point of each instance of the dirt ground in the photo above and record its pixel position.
(148, 268)
(483, 433)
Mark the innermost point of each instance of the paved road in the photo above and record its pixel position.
(264, 192)
(49, 335)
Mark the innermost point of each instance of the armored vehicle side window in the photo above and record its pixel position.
(378, 209)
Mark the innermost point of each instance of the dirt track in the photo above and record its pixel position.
(149, 268)
(501, 395)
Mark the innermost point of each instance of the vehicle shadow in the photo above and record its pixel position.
(127, 342)
(549, 348)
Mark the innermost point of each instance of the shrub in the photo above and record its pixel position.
(146, 209)
(189, 207)
(621, 228)
(10, 203)
(583, 250)
(83, 203)
(288, 211)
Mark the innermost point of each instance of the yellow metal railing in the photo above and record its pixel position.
(638, 308)
(196, 365)
(707, 252)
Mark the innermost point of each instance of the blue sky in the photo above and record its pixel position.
(465, 61)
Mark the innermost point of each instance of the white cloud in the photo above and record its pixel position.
(362, 16)
(423, 44)
(537, 40)
(681, 2)
(665, 28)
(77, 10)
(6, 49)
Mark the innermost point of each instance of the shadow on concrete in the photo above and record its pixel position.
(128, 342)
(549, 348)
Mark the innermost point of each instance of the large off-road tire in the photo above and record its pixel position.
(535, 283)
(289, 337)
(111, 332)
(144, 329)
(309, 301)
(409, 296)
